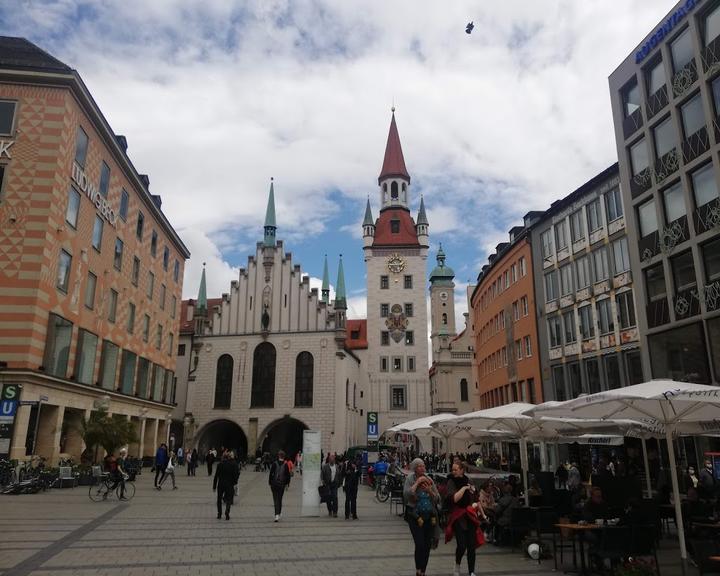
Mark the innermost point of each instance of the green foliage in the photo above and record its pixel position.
(110, 432)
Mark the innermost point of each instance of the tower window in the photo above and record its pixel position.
(394, 190)
(408, 282)
(384, 310)
(384, 282)
(444, 319)
(395, 226)
(408, 309)
(384, 338)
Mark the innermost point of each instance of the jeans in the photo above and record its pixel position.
(278, 492)
(351, 502)
(332, 501)
(158, 471)
(165, 475)
(465, 541)
(423, 537)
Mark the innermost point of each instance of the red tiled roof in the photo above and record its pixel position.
(360, 328)
(407, 235)
(394, 162)
(188, 326)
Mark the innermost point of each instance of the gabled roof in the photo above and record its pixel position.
(21, 53)
(394, 162)
(359, 327)
(407, 236)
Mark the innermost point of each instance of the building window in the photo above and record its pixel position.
(577, 226)
(128, 360)
(569, 324)
(146, 328)
(655, 283)
(631, 98)
(85, 357)
(162, 296)
(612, 371)
(584, 279)
(515, 311)
(626, 309)
(587, 328)
(711, 260)
(124, 204)
(639, 159)
(397, 364)
(173, 306)
(674, 203)
(664, 136)
(693, 117)
(566, 280)
(395, 226)
(151, 285)
(594, 216)
(682, 51)
(97, 233)
(304, 366)
(408, 282)
(655, 78)
(523, 266)
(181, 350)
(384, 310)
(385, 338)
(158, 378)
(104, 186)
(117, 260)
(141, 382)
(561, 235)
(592, 373)
(397, 398)
(683, 269)
(63, 274)
(647, 218)
(383, 363)
(704, 185)
(153, 244)
(57, 346)
(223, 381)
(559, 383)
(518, 350)
(384, 282)
(81, 147)
(73, 207)
(613, 204)
(411, 363)
(90, 287)
(131, 318)
(158, 336)
(551, 287)
(140, 226)
(711, 26)
(528, 346)
(112, 305)
(621, 256)
(524, 305)
(263, 379)
(166, 258)
(443, 319)
(171, 344)
(547, 244)
(135, 271)
(464, 397)
(394, 190)
(176, 270)
(680, 354)
(7, 117)
(108, 364)
(513, 273)
(605, 316)
(555, 331)
(408, 309)
(409, 338)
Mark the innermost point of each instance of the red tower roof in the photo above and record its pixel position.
(406, 233)
(394, 163)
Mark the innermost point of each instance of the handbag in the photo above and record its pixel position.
(324, 492)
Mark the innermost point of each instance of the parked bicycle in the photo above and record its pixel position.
(106, 487)
(387, 484)
(8, 475)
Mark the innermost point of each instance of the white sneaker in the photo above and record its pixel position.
(472, 573)
(277, 517)
(456, 570)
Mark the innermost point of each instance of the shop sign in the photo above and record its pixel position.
(91, 191)
(5, 148)
(373, 432)
(9, 398)
(664, 29)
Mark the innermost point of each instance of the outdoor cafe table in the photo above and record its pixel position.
(580, 529)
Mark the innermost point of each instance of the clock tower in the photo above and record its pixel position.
(442, 304)
(395, 249)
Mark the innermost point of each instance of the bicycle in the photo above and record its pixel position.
(106, 486)
(8, 475)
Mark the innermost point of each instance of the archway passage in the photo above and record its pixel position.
(222, 433)
(284, 434)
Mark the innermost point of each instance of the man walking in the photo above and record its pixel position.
(161, 460)
(226, 476)
(210, 459)
(279, 479)
(332, 478)
(351, 476)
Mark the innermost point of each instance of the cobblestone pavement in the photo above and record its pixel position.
(61, 532)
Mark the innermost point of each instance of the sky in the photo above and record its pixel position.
(216, 97)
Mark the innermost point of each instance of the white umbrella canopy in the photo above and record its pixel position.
(668, 403)
(421, 425)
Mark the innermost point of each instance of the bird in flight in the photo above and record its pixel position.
(469, 28)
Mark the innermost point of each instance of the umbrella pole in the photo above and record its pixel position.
(676, 496)
(647, 468)
(524, 465)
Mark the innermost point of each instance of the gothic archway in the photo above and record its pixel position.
(224, 433)
(283, 434)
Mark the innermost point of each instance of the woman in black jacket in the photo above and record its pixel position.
(226, 476)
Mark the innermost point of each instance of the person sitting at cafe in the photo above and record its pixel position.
(503, 512)
(595, 507)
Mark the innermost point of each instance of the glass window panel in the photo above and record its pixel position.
(85, 357)
(124, 204)
(57, 346)
(63, 274)
(693, 117)
(639, 158)
(577, 226)
(655, 282)
(569, 324)
(583, 272)
(112, 305)
(612, 371)
(551, 287)
(131, 318)
(117, 260)
(594, 216)
(711, 260)
(108, 364)
(613, 203)
(7, 116)
(674, 203)
(716, 95)
(547, 243)
(127, 371)
(680, 354)
(561, 235)
(656, 78)
(90, 290)
(143, 371)
(600, 264)
(647, 218)
(555, 331)
(559, 384)
(631, 98)
(682, 50)
(621, 256)
(73, 208)
(104, 186)
(81, 147)
(704, 185)
(605, 316)
(140, 226)
(97, 233)
(592, 371)
(566, 279)
(683, 269)
(626, 309)
(587, 327)
(664, 138)
(711, 29)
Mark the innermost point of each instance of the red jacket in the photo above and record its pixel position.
(470, 514)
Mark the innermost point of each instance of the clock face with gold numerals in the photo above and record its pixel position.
(395, 263)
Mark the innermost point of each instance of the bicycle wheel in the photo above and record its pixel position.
(98, 492)
(129, 490)
(383, 492)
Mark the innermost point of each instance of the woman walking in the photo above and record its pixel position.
(169, 471)
(421, 505)
(226, 477)
(463, 521)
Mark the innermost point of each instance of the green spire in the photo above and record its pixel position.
(368, 221)
(340, 299)
(270, 226)
(441, 274)
(422, 218)
(202, 293)
(326, 283)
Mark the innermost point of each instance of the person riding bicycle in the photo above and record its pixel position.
(114, 466)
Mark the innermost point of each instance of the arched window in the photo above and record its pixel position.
(263, 379)
(444, 318)
(304, 380)
(223, 381)
(394, 191)
(463, 390)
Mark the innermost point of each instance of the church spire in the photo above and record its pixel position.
(326, 283)
(394, 162)
(422, 218)
(270, 226)
(340, 298)
(202, 293)
(368, 220)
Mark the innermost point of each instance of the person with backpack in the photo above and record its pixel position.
(279, 479)
(421, 499)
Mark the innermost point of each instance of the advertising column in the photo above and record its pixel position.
(311, 473)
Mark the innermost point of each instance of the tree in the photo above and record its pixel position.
(110, 432)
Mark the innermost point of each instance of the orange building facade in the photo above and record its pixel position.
(90, 268)
(506, 363)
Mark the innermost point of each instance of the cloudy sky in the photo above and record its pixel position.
(217, 96)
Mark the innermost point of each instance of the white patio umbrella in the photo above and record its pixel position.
(669, 403)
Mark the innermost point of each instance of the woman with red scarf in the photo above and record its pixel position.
(464, 517)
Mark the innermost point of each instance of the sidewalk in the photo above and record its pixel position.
(62, 532)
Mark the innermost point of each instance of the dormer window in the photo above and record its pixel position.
(395, 224)
(394, 191)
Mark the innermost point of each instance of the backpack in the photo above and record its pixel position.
(424, 505)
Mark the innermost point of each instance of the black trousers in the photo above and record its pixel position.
(465, 542)
(351, 502)
(278, 492)
(224, 494)
(422, 536)
(209, 465)
(332, 501)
